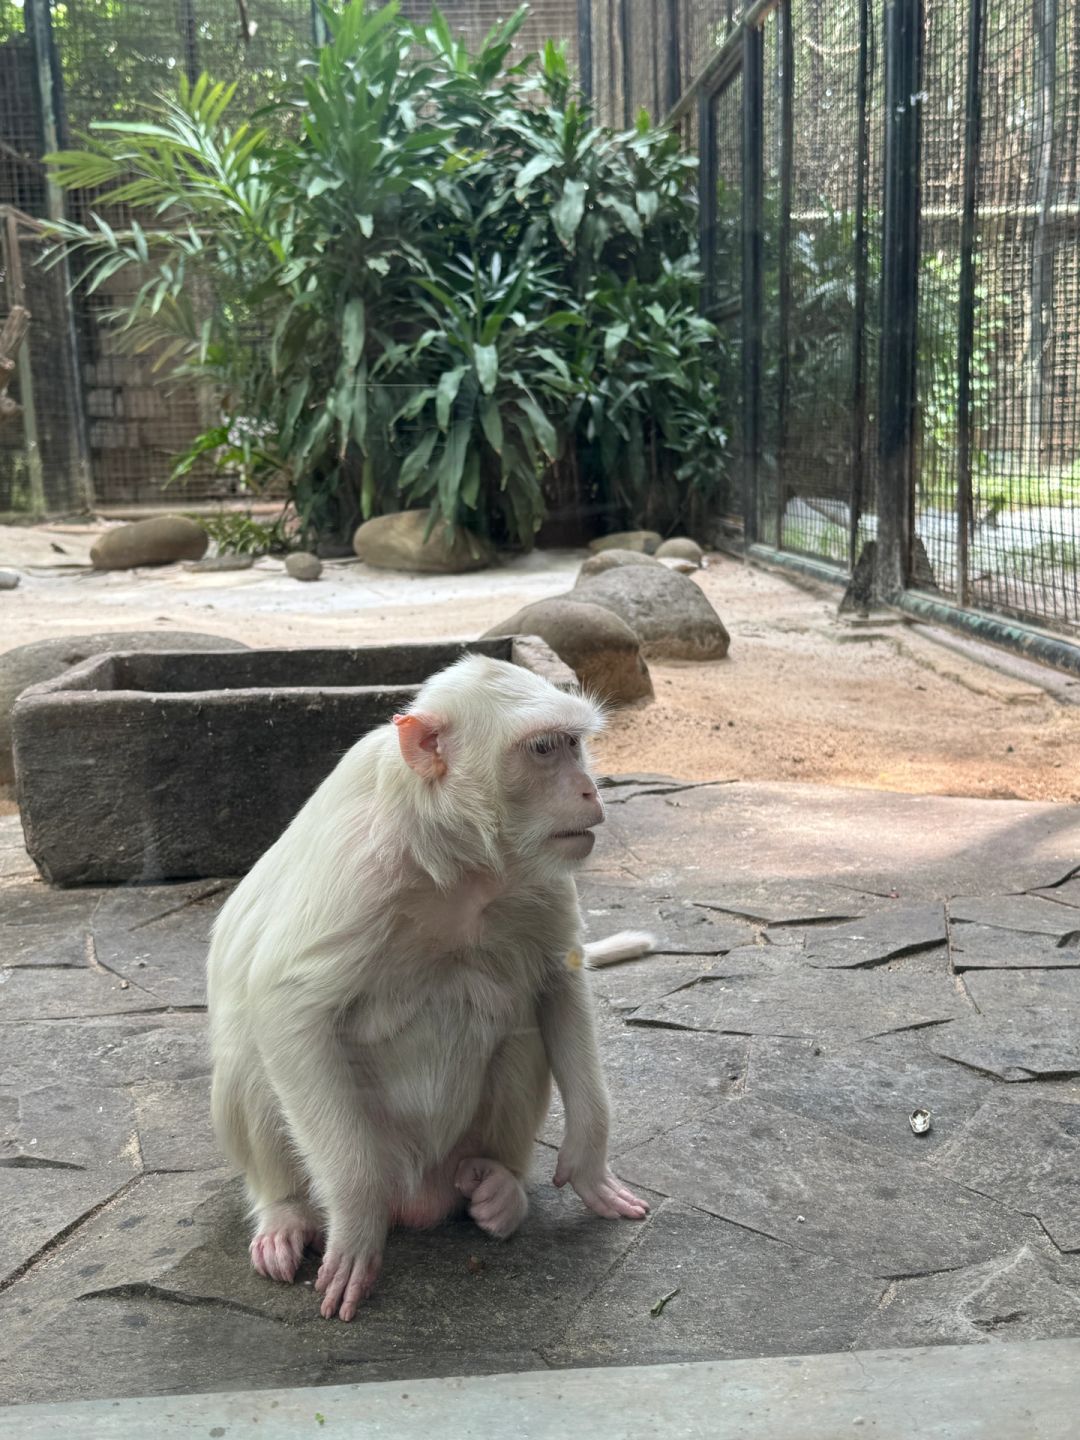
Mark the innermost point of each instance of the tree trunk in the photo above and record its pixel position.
(1041, 289)
(11, 337)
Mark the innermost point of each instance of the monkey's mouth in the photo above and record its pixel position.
(575, 840)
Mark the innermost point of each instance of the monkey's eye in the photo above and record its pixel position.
(545, 744)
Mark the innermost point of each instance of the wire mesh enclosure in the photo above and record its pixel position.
(62, 67)
(890, 195)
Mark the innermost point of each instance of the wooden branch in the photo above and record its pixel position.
(11, 337)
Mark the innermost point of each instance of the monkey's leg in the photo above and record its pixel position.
(250, 1128)
(517, 1092)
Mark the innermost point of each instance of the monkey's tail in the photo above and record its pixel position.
(626, 945)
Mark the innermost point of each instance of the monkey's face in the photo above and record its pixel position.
(553, 805)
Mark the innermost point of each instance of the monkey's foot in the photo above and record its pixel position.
(604, 1194)
(344, 1280)
(278, 1245)
(496, 1198)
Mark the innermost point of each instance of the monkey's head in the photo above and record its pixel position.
(501, 759)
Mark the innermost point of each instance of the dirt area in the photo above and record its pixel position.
(803, 695)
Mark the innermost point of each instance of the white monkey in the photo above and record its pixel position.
(393, 985)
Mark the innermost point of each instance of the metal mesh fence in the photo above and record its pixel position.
(1006, 535)
(113, 57)
(42, 462)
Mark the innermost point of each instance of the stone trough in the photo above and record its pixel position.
(177, 765)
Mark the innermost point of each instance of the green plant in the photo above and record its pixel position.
(438, 284)
(237, 534)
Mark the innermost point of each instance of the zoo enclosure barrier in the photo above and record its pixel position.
(890, 227)
(96, 424)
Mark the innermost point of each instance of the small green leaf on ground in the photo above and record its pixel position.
(658, 1308)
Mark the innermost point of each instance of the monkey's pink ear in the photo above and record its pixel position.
(418, 736)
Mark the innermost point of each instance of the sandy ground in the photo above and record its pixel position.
(803, 695)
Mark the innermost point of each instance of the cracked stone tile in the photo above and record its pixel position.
(788, 905)
(37, 1205)
(443, 1289)
(161, 1345)
(81, 1126)
(1031, 1293)
(657, 1077)
(1025, 1153)
(1028, 913)
(858, 1004)
(168, 959)
(1065, 894)
(884, 935)
(112, 1050)
(738, 1294)
(994, 990)
(679, 926)
(626, 987)
(1023, 1045)
(985, 947)
(43, 945)
(173, 1118)
(868, 1090)
(145, 1230)
(860, 1204)
(35, 994)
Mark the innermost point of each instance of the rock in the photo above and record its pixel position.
(214, 563)
(303, 566)
(158, 541)
(396, 542)
(41, 660)
(642, 540)
(681, 547)
(667, 612)
(613, 560)
(603, 653)
(8, 579)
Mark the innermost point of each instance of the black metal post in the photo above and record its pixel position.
(707, 197)
(899, 296)
(585, 61)
(787, 165)
(753, 130)
(38, 22)
(966, 331)
(189, 36)
(858, 329)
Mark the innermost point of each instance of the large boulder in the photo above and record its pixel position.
(157, 541)
(667, 612)
(603, 653)
(396, 542)
(681, 547)
(643, 540)
(614, 560)
(31, 664)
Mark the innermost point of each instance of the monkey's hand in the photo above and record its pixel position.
(346, 1276)
(600, 1189)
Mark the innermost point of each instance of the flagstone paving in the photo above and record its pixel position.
(828, 961)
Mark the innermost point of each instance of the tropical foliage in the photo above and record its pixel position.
(426, 277)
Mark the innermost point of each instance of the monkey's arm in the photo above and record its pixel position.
(297, 1020)
(569, 1035)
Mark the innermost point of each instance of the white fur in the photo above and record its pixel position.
(388, 986)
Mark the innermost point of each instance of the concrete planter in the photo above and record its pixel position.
(173, 765)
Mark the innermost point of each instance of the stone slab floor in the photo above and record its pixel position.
(830, 961)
